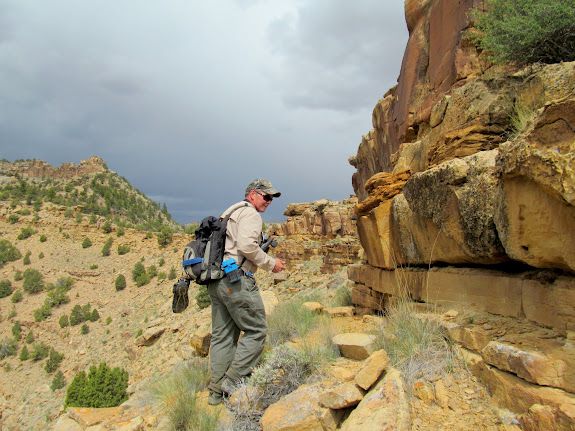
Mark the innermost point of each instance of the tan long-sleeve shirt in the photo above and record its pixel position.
(243, 240)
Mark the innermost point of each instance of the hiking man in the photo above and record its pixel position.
(238, 306)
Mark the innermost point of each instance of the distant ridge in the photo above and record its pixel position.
(89, 185)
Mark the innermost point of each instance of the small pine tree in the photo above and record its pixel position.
(16, 297)
(172, 274)
(53, 361)
(107, 246)
(29, 337)
(5, 288)
(203, 297)
(120, 282)
(94, 315)
(24, 354)
(86, 243)
(107, 228)
(58, 382)
(102, 387)
(17, 330)
(63, 321)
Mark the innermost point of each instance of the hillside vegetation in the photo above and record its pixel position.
(102, 193)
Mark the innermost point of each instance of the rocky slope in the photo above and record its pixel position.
(465, 190)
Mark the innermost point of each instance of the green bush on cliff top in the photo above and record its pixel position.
(526, 31)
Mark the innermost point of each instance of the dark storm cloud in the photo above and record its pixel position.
(190, 103)
(338, 54)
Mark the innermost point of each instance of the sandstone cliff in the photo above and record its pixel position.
(321, 229)
(460, 204)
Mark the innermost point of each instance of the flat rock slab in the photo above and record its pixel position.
(300, 410)
(86, 417)
(355, 346)
(373, 368)
(341, 396)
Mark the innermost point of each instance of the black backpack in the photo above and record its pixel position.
(202, 260)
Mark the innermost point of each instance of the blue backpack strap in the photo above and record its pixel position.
(192, 261)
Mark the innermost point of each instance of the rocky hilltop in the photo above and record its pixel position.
(41, 169)
(466, 199)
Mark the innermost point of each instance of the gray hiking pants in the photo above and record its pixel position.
(236, 307)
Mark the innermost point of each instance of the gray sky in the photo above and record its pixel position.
(190, 100)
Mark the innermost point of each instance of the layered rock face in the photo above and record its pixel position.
(466, 191)
(320, 229)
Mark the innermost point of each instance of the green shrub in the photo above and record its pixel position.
(120, 231)
(43, 238)
(13, 218)
(29, 337)
(5, 288)
(93, 219)
(84, 330)
(57, 297)
(16, 297)
(103, 387)
(162, 276)
(152, 271)
(26, 260)
(120, 282)
(68, 213)
(86, 243)
(17, 330)
(53, 361)
(526, 31)
(94, 315)
(18, 276)
(172, 275)
(165, 236)
(79, 218)
(63, 321)
(107, 228)
(203, 297)
(8, 347)
(58, 382)
(41, 255)
(26, 232)
(123, 249)
(80, 314)
(107, 246)
(33, 281)
(161, 262)
(42, 313)
(142, 280)
(108, 320)
(24, 354)
(139, 274)
(39, 352)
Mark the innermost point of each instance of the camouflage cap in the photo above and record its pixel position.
(263, 185)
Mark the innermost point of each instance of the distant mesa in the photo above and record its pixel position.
(39, 168)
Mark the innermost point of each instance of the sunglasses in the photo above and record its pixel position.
(267, 198)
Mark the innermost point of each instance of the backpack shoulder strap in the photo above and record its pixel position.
(227, 213)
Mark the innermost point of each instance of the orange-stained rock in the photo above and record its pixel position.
(341, 396)
(372, 369)
(300, 410)
(384, 407)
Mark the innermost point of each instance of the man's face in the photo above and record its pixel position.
(260, 200)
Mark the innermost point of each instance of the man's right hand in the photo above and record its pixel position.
(279, 266)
